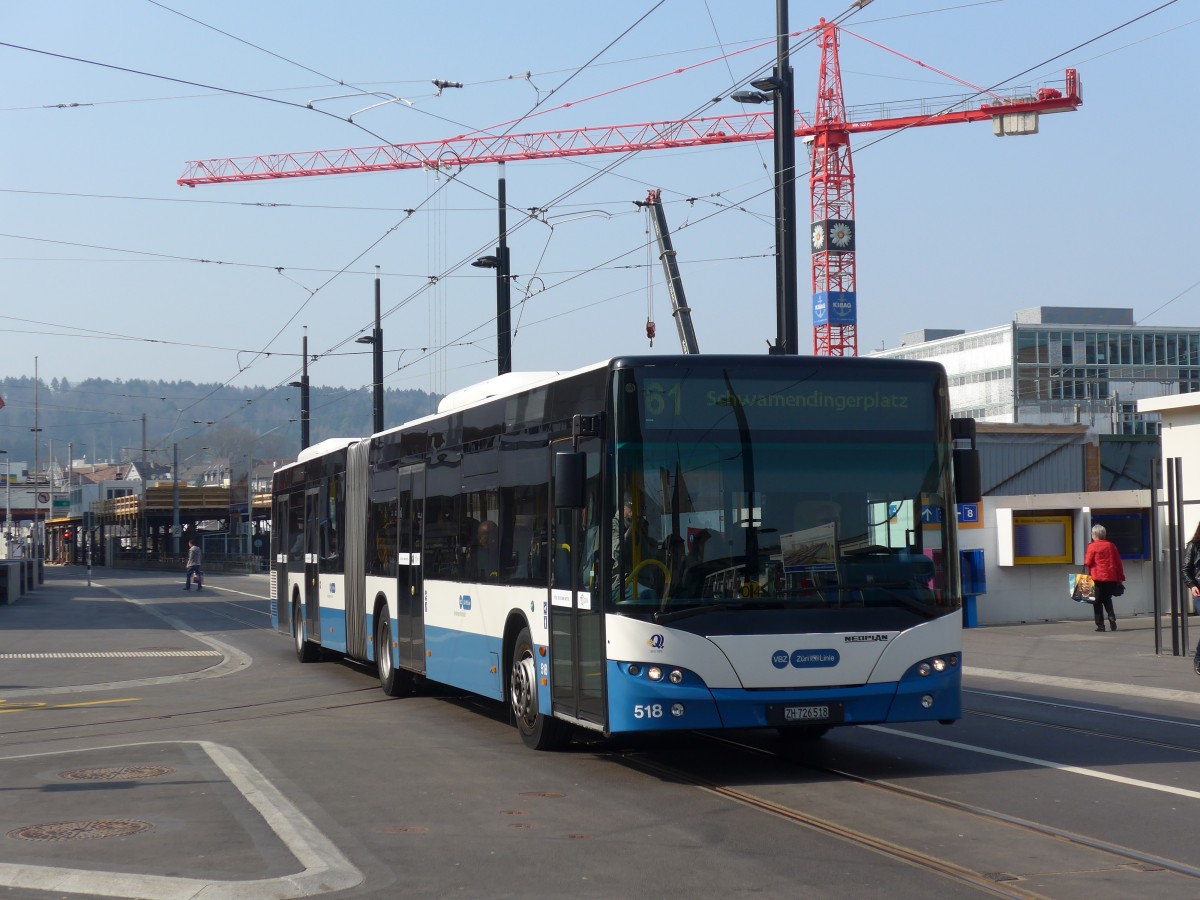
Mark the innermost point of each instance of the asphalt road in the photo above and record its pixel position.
(159, 744)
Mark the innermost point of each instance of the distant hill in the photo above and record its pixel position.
(101, 420)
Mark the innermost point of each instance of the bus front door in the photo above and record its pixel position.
(576, 608)
(280, 541)
(410, 591)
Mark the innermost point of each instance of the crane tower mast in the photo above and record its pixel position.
(831, 186)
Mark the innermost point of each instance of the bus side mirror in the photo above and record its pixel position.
(569, 476)
(968, 481)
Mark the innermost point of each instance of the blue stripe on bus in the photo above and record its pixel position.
(638, 704)
(333, 629)
(468, 661)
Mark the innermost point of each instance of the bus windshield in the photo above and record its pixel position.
(768, 490)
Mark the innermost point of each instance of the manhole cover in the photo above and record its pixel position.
(117, 773)
(80, 831)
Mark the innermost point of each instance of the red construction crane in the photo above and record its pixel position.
(831, 178)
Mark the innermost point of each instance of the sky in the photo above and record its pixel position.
(110, 269)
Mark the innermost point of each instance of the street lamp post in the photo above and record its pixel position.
(304, 397)
(375, 339)
(779, 90)
(500, 263)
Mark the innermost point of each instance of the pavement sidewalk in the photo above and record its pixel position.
(1073, 655)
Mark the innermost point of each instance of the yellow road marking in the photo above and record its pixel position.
(31, 705)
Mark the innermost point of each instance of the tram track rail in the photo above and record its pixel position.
(1137, 858)
(889, 849)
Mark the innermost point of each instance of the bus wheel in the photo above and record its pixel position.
(537, 731)
(306, 650)
(395, 682)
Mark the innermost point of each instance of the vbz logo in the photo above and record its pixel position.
(780, 659)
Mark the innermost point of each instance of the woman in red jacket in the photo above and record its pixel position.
(1103, 562)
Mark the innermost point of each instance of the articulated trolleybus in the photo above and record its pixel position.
(647, 544)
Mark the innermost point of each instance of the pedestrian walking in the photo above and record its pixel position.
(193, 567)
(1103, 562)
(1191, 579)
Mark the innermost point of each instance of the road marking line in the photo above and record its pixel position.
(34, 705)
(1043, 763)
(325, 868)
(234, 660)
(111, 654)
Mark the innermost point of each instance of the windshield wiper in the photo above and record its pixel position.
(688, 612)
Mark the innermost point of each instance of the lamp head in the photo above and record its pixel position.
(487, 262)
(749, 97)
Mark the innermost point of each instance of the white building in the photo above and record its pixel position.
(1061, 365)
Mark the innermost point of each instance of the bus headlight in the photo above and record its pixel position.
(635, 669)
(926, 701)
(676, 677)
(939, 664)
(677, 710)
(924, 669)
(654, 673)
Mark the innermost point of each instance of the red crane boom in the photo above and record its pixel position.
(831, 174)
(465, 151)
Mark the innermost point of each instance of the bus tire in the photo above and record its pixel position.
(539, 732)
(306, 650)
(394, 681)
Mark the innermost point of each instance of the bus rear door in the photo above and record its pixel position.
(312, 594)
(410, 590)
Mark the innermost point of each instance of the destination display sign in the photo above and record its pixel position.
(700, 401)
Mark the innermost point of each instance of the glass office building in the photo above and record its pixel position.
(1060, 365)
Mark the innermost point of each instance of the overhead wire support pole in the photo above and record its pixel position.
(304, 396)
(377, 361)
(788, 339)
(503, 287)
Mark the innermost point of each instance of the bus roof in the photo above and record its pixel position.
(320, 449)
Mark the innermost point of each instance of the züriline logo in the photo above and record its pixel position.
(464, 602)
(656, 641)
(815, 659)
(779, 659)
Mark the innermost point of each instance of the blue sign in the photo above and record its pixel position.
(815, 659)
(835, 308)
(931, 515)
(968, 513)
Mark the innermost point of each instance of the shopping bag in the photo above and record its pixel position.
(1083, 588)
